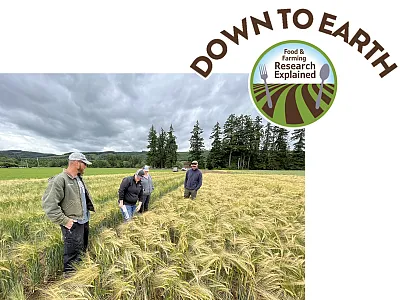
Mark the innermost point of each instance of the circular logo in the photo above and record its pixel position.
(293, 83)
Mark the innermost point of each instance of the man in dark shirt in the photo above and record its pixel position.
(130, 195)
(193, 181)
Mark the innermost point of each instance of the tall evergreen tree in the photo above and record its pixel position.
(161, 153)
(273, 163)
(197, 145)
(229, 140)
(171, 148)
(267, 145)
(242, 140)
(215, 157)
(298, 154)
(255, 158)
(248, 139)
(151, 158)
(280, 148)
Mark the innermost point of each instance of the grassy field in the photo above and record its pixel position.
(242, 238)
(31, 246)
(237, 240)
(37, 173)
(268, 172)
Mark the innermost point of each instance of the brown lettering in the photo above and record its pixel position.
(376, 47)
(219, 42)
(325, 22)
(343, 31)
(284, 13)
(235, 37)
(360, 43)
(296, 18)
(257, 22)
(381, 60)
(195, 67)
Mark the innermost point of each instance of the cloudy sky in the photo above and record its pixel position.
(58, 113)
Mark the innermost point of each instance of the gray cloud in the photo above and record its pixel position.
(96, 112)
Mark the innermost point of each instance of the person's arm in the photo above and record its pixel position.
(121, 191)
(51, 199)
(186, 179)
(200, 182)
(141, 195)
(140, 199)
(152, 185)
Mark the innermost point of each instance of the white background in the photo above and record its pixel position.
(352, 195)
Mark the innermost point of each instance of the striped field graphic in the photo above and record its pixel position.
(293, 104)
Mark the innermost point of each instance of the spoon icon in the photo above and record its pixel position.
(324, 74)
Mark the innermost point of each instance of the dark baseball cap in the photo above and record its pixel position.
(140, 173)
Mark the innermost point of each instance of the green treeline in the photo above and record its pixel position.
(244, 143)
(240, 143)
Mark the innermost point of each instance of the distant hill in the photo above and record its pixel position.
(19, 154)
(23, 154)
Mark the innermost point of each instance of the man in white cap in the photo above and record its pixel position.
(148, 188)
(193, 181)
(67, 202)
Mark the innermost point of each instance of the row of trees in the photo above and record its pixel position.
(243, 143)
(6, 162)
(240, 143)
(103, 160)
(162, 148)
(116, 160)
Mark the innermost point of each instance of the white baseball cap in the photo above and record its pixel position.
(79, 156)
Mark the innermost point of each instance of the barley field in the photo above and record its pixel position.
(37, 173)
(242, 238)
(30, 245)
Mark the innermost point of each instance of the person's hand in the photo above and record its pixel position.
(120, 203)
(138, 207)
(70, 224)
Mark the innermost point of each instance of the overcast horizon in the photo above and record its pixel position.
(59, 113)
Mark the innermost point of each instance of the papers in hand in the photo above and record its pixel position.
(126, 214)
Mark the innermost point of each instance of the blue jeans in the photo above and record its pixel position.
(131, 212)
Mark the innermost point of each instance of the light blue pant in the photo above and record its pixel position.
(131, 212)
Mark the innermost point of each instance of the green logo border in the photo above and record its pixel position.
(288, 42)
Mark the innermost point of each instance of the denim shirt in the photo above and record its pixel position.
(86, 213)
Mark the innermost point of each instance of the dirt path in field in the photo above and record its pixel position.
(271, 88)
(310, 102)
(324, 97)
(274, 99)
(292, 111)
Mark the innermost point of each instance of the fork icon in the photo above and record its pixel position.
(264, 76)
